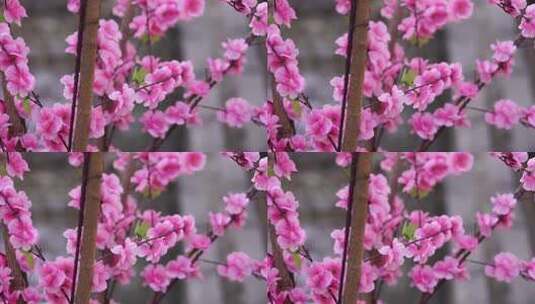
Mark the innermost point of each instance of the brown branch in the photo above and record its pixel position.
(286, 281)
(91, 212)
(88, 58)
(17, 126)
(358, 46)
(286, 126)
(358, 210)
(19, 280)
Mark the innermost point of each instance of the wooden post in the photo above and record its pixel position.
(358, 209)
(87, 73)
(89, 231)
(358, 57)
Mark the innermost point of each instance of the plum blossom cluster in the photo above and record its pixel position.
(518, 161)
(15, 205)
(282, 205)
(397, 234)
(427, 17)
(428, 169)
(397, 88)
(126, 78)
(157, 170)
(14, 52)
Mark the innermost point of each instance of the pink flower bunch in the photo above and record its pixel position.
(237, 112)
(284, 14)
(527, 25)
(234, 214)
(109, 59)
(159, 169)
(164, 233)
(382, 217)
(433, 233)
(282, 62)
(519, 161)
(343, 6)
(505, 114)
(282, 207)
(424, 125)
(323, 277)
(427, 169)
(115, 217)
(15, 206)
(163, 78)
(424, 278)
(156, 277)
(73, 6)
(182, 268)
(55, 278)
(14, 11)
(157, 16)
(123, 102)
(528, 176)
(503, 204)
(505, 268)
(427, 17)
(431, 81)
(239, 266)
(14, 61)
(322, 125)
(512, 7)
(53, 124)
(166, 77)
(501, 64)
(514, 160)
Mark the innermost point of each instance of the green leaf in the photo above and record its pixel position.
(296, 107)
(141, 229)
(29, 258)
(407, 230)
(418, 194)
(139, 75)
(2, 18)
(297, 259)
(152, 193)
(408, 76)
(418, 41)
(3, 169)
(153, 39)
(271, 170)
(26, 105)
